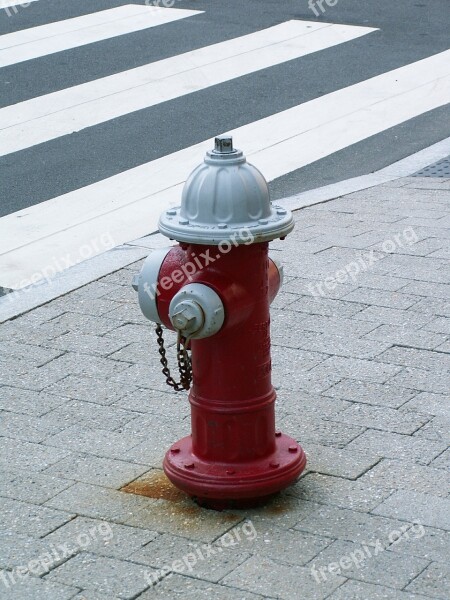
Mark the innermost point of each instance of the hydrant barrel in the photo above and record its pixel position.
(215, 289)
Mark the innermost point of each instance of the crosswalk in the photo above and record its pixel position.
(127, 204)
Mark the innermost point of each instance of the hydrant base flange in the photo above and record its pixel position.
(221, 484)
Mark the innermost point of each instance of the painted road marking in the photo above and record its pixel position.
(60, 113)
(71, 33)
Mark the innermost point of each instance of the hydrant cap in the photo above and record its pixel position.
(225, 198)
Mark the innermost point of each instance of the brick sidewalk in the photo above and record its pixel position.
(361, 358)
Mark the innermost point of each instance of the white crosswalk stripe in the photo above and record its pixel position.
(127, 205)
(60, 113)
(79, 31)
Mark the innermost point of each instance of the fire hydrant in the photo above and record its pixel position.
(214, 289)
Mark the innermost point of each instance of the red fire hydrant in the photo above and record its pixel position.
(214, 289)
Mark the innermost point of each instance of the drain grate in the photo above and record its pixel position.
(438, 169)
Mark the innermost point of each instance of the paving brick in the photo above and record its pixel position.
(90, 389)
(445, 347)
(28, 402)
(106, 472)
(89, 414)
(433, 306)
(209, 563)
(25, 457)
(393, 316)
(30, 378)
(301, 380)
(336, 491)
(100, 537)
(356, 590)
(96, 306)
(283, 511)
(144, 375)
(265, 539)
(437, 429)
(442, 461)
(373, 565)
(388, 282)
(31, 333)
(73, 363)
(440, 325)
(87, 344)
(35, 487)
(37, 589)
(319, 431)
(283, 360)
(342, 463)
(336, 325)
(434, 581)
(160, 403)
(179, 587)
(100, 442)
(291, 335)
(99, 503)
(435, 290)
(256, 575)
(413, 357)
(350, 525)
(311, 404)
(35, 356)
(412, 506)
(396, 474)
(105, 575)
(29, 429)
(30, 519)
(95, 289)
(422, 380)
(86, 323)
(326, 306)
(394, 445)
(142, 333)
(354, 368)
(149, 448)
(381, 298)
(426, 542)
(317, 287)
(407, 336)
(370, 393)
(19, 549)
(432, 404)
(378, 417)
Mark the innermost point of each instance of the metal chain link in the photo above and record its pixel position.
(183, 359)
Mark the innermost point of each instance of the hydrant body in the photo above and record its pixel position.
(234, 456)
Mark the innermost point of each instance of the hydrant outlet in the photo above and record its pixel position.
(189, 317)
(197, 311)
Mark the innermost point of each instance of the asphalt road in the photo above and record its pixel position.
(408, 31)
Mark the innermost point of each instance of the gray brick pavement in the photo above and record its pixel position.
(362, 375)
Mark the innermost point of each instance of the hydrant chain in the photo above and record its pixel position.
(184, 361)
